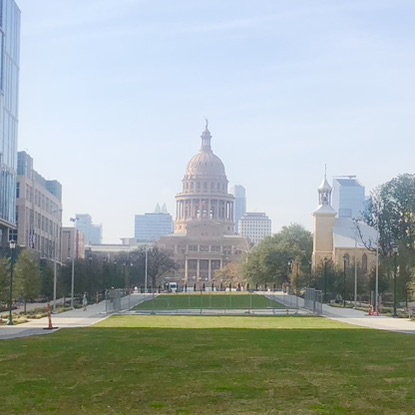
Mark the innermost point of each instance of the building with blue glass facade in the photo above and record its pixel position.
(239, 205)
(92, 233)
(9, 93)
(150, 227)
(348, 197)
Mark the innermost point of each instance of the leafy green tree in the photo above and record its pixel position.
(47, 280)
(27, 277)
(4, 279)
(277, 258)
(391, 210)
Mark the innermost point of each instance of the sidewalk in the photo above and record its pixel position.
(360, 318)
(355, 317)
(72, 318)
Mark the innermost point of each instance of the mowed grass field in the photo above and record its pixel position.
(210, 365)
(207, 300)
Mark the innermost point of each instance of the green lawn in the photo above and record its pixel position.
(210, 365)
(208, 300)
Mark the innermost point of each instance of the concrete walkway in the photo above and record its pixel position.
(68, 319)
(72, 318)
(360, 318)
(97, 312)
(351, 316)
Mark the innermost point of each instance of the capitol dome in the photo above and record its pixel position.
(205, 163)
(205, 191)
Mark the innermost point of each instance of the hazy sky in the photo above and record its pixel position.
(113, 96)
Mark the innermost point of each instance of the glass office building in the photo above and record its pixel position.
(150, 227)
(348, 197)
(9, 94)
(239, 205)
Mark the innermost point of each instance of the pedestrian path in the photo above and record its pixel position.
(72, 318)
(98, 312)
(361, 318)
(68, 319)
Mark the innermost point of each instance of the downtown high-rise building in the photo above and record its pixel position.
(9, 91)
(255, 226)
(92, 233)
(239, 193)
(348, 197)
(150, 227)
(39, 210)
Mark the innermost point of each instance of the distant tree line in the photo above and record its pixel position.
(33, 277)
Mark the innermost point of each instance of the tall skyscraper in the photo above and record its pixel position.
(150, 227)
(239, 205)
(348, 197)
(39, 210)
(92, 233)
(9, 90)
(255, 226)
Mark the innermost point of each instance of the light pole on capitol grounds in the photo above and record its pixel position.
(73, 259)
(12, 245)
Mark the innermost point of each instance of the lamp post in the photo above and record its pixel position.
(344, 280)
(145, 271)
(309, 274)
(325, 280)
(355, 271)
(114, 280)
(104, 274)
(90, 276)
(57, 237)
(73, 260)
(377, 269)
(12, 245)
(395, 267)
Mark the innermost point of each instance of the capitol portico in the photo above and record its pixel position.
(204, 240)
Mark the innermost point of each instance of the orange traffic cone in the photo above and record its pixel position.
(50, 326)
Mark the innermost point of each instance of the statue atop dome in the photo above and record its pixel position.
(206, 136)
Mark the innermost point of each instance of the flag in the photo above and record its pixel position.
(32, 238)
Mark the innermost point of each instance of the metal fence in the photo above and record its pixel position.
(313, 300)
(227, 302)
(118, 299)
(201, 302)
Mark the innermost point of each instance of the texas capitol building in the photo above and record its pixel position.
(204, 240)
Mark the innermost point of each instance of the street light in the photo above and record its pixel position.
(12, 245)
(355, 271)
(114, 280)
(90, 272)
(344, 280)
(377, 269)
(57, 244)
(325, 280)
(145, 272)
(309, 273)
(73, 260)
(395, 255)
